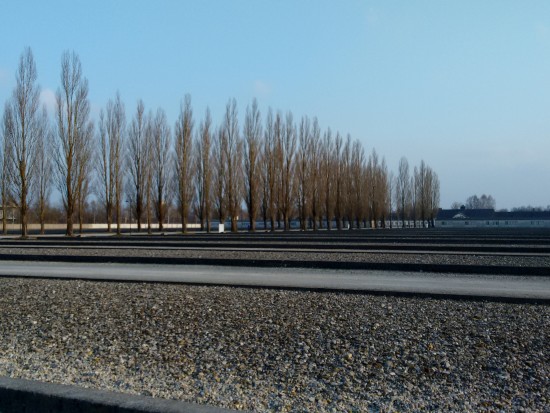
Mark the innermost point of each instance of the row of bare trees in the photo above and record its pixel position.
(25, 168)
(416, 193)
(279, 168)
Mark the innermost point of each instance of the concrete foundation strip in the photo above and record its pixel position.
(29, 396)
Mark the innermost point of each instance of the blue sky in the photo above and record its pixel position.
(464, 85)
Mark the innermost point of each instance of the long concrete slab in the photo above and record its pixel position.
(460, 285)
(19, 395)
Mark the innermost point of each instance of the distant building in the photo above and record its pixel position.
(12, 213)
(489, 218)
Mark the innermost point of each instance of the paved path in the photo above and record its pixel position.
(509, 287)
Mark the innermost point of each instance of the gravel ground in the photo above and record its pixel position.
(272, 350)
(341, 256)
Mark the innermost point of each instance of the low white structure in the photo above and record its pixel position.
(99, 227)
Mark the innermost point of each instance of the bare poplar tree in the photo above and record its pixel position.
(384, 184)
(288, 155)
(278, 131)
(203, 177)
(348, 206)
(429, 193)
(383, 191)
(415, 192)
(369, 191)
(403, 189)
(315, 174)
(263, 167)
(73, 126)
(22, 133)
(270, 170)
(105, 175)
(112, 134)
(233, 158)
(4, 181)
(84, 161)
(264, 185)
(433, 202)
(149, 141)
(161, 156)
(337, 174)
(138, 161)
(376, 185)
(252, 132)
(423, 191)
(303, 171)
(390, 192)
(327, 162)
(116, 116)
(356, 182)
(183, 159)
(43, 169)
(220, 171)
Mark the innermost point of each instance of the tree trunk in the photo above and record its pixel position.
(4, 221)
(69, 231)
(80, 222)
(161, 215)
(138, 213)
(109, 218)
(23, 211)
(118, 215)
(252, 221)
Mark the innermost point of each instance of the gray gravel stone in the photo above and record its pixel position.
(341, 256)
(271, 350)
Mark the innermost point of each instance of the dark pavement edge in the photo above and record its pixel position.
(21, 396)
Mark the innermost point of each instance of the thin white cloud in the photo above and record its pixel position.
(261, 88)
(47, 98)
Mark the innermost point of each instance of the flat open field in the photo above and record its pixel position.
(506, 251)
(286, 350)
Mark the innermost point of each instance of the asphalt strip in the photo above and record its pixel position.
(369, 281)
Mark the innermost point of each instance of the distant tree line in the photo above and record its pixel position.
(488, 202)
(279, 168)
(475, 202)
(531, 208)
